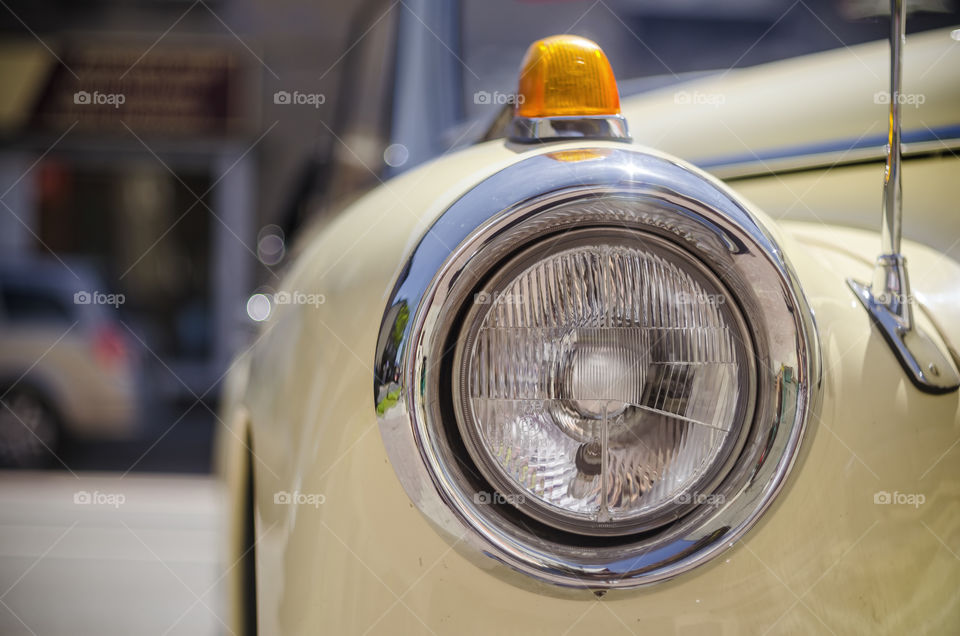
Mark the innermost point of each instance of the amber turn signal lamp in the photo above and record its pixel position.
(566, 76)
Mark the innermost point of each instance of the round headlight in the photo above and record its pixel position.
(596, 368)
(602, 381)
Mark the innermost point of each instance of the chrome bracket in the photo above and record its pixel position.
(888, 299)
(528, 130)
(928, 366)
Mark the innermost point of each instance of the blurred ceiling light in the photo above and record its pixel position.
(271, 247)
(396, 155)
(258, 307)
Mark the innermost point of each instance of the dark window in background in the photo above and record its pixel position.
(351, 159)
(143, 230)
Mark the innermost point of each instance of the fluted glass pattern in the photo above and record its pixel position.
(603, 381)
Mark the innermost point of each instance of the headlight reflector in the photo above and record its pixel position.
(603, 381)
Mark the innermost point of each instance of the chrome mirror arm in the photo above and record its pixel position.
(892, 211)
(888, 299)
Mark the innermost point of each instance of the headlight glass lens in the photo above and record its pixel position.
(603, 379)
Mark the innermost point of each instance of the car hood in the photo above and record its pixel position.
(835, 101)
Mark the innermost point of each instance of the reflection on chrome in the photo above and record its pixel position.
(616, 259)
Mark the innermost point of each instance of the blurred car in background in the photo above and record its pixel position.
(67, 367)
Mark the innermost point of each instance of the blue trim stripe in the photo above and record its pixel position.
(908, 137)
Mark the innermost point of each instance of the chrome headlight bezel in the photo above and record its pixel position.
(484, 227)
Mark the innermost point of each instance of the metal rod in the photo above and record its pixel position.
(892, 193)
(925, 356)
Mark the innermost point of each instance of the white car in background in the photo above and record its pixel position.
(67, 368)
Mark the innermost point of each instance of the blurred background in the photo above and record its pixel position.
(160, 163)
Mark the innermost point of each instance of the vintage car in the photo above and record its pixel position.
(69, 370)
(564, 382)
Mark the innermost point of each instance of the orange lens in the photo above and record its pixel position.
(575, 156)
(566, 75)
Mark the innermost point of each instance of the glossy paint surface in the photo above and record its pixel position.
(365, 559)
(831, 555)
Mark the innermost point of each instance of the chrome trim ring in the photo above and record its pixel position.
(527, 130)
(658, 196)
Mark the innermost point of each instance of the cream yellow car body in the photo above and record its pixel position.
(825, 558)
